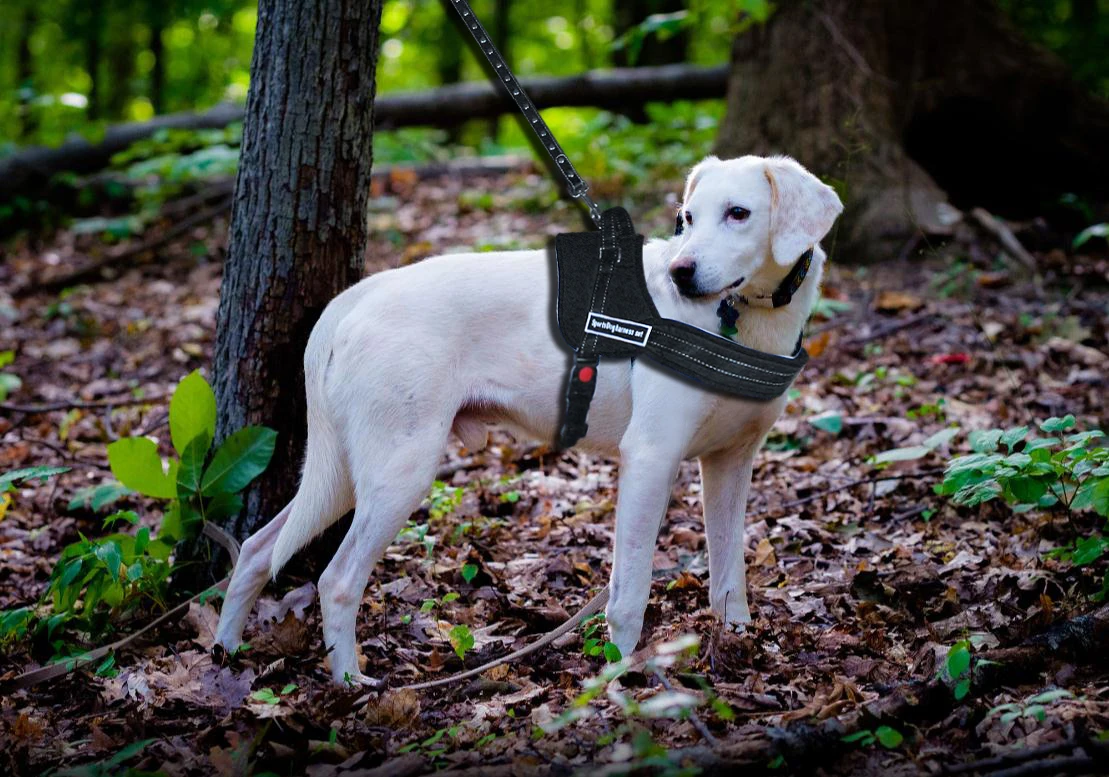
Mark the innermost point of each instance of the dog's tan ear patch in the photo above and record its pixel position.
(802, 209)
(695, 174)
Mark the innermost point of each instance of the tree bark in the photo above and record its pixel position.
(298, 227)
(25, 72)
(907, 106)
(94, 34)
(655, 51)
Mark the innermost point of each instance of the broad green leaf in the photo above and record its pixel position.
(469, 572)
(612, 653)
(242, 457)
(984, 440)
(99, 497)
(828, 422)
(958, 660)
(962, 688)
(221, 507)
(1012, 436)
(109, 553)
(192, 464)
(1027, 490)
(1055, 424)
(1047, 697)
(137, 465)
(1089, 549)
(889, 737)
(192, 412)
(461, 640)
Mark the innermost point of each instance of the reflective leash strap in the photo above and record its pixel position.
(575, 185)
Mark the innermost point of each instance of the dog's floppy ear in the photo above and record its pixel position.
(696, 173)
(802, 209)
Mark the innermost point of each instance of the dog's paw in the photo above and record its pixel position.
(358, 681)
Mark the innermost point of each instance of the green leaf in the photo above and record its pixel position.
(889, 738)
(1089, 549)
(469, 572)
(1027, 490)
(242, 457)
(962, 688)
(1047, 697)
(109, 553)
(1012, 436)
(1055, 424)
(99, 497)
(137, 465)
(192, 412)
(192, 464)
(828, 422)
(461, 640)
(984, 441)
(266, 696)
(8, 479)
(958, 660)
(221, 507)
(612, 653)
(863, 737)
(1095, 230)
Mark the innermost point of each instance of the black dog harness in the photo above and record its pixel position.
(604, 308)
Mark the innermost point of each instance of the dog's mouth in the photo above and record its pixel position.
(690, 293)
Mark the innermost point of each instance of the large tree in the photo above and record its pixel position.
(298, 225)
(908, 107)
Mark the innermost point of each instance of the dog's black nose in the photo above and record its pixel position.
(682, 272)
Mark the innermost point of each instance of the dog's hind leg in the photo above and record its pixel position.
(252, 570)
(390, 482)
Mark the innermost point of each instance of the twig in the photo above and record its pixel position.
(1004, 236)
(76, 404)
(844, 487)
(889, 329)
(698, 724)
(1071, 764)
(92, 271)
(67, 454)
(1005, 759)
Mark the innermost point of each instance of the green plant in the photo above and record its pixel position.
(9, 381)
(1034, 706)
(1067, 472)
(956, 669)
(95, 581)
(887, 736)
(110, 767)
(594, 644)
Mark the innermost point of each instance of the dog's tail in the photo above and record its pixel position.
(326, 491)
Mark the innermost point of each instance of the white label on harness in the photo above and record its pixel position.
(617, 329)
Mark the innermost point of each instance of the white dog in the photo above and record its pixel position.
(387, 384)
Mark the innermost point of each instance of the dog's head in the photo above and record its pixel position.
(745, 221)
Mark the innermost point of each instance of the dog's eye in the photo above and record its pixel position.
(737, 213)
(688, 218)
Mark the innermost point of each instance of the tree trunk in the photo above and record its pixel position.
(903, 106)
(500, 33)
(94, 34)
(25, 83)
(158, 52)
(298, 227)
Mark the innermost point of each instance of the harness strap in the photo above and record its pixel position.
(576, 186)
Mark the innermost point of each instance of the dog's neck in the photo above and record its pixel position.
(773, 330)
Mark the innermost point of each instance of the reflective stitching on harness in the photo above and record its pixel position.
(725, 358)
(717, 369)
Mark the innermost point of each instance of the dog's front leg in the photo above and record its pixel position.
(665, 415)
(646, 478)
(725, 484)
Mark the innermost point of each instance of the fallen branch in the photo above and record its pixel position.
(76, 404)
(1004, 236)
(94, 270)
(885, 331)
(29, 170)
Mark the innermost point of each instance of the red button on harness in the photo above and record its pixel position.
(585, 374)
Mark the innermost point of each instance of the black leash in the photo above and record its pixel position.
(604, 307)
(576, 186)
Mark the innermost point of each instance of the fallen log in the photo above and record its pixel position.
(28, 171)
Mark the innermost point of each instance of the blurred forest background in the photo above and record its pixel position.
(929, 537)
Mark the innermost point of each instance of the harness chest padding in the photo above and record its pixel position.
(605, 309)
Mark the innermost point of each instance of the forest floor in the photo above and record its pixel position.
(861, 578)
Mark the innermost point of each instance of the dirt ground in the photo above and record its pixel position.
(860, 577)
